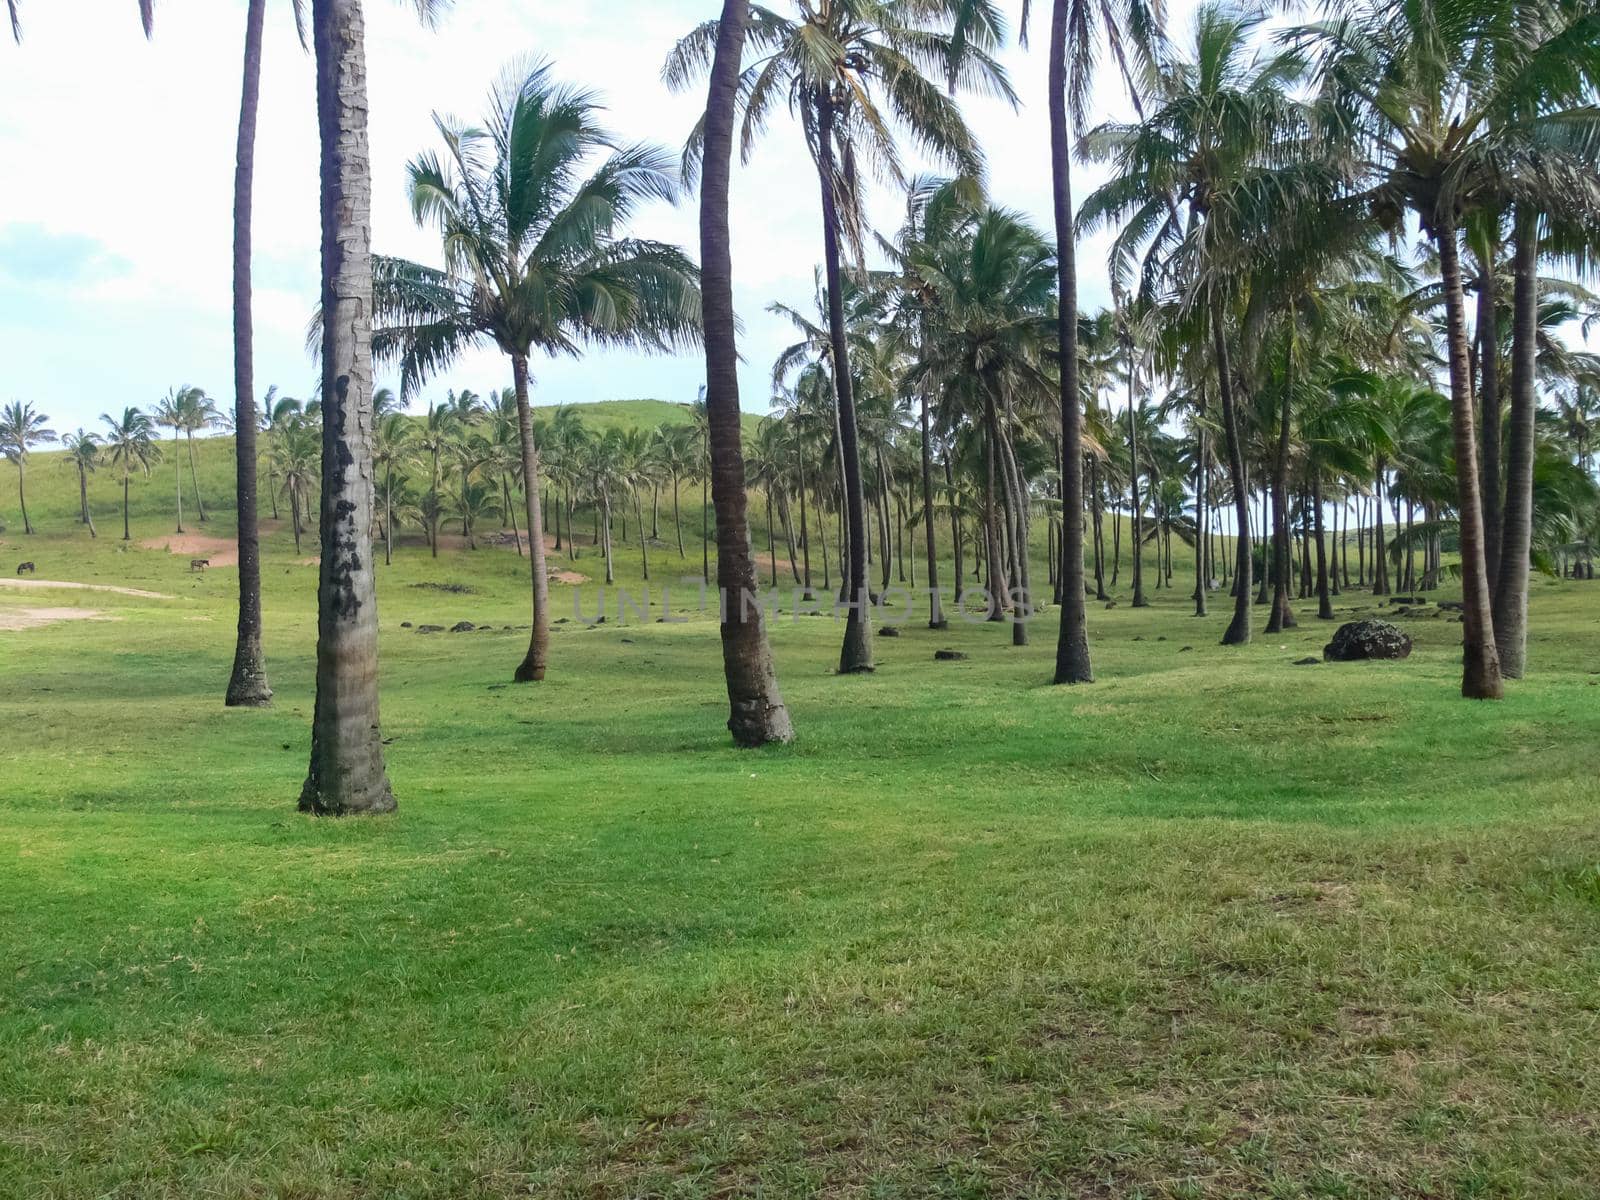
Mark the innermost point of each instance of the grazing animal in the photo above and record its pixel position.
(28, 567)
(199, 564)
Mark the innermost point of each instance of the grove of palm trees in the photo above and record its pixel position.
(1134, 464)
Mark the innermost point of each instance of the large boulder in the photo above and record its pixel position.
(1367, 639)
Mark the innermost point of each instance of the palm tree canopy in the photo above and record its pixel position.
(534, 253)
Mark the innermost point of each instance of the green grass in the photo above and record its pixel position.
(1216, 925)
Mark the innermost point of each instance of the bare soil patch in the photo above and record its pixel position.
(14, 619)
(223, 552)
(45, 584)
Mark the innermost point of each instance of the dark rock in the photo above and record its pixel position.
(1111, 603)
(948, 656)
(889, 631)
(455, 589)
(462, 627)
(562, 620)
(1309, 661)
(1162, 638)
(430, 628)
(1409, 599)
(1138, 637)
(627, 641)
(405, 624)
(1181, 649)
(1367, 639)
(1450, 605)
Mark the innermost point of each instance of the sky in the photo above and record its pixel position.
(116, 228)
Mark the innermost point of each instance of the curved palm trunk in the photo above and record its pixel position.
(757, 714)
(247, 683)
(511, 511)
(533, 664)
(22, 499)
(1072, 643)
(83, 501)
(1510, 607)
(677, 518)
(1480, 678)
(347, 772)
(1238, 631)
(194, 476)
(856, 653)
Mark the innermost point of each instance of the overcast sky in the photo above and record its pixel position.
(115, 230)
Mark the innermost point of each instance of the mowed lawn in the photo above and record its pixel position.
(1218, 924)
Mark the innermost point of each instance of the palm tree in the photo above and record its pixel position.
(1410, 94)
(168, 413)
(83, 455)
(247, 682)
(147, 14)
(1220, 108)
(22, 428)
(131, 442)
(1129, 28)
(850, 69)
(196, 411)
(391, 443)
(535, 259)
(346, 773)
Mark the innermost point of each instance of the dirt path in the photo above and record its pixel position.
(223, 552)
(13, 619)
(26, 585)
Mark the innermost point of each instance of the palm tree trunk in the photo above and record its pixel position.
(194, 476)
(756, 710)
(1480, 679)
(125, 535)
(805, 532)
(856, 652)
(511, 511)
(177, 475)
(346, 772)
(1072, 643)
(1489, 402)
(677, 519)
(83, 501)
(1510, 607)
(936, 617)
(1324, 598)
(1202, 537)
(22, 499)
(1238, 631)
(1282, 554)
(1380, 556)
(533, 664)
(1139, 600)
(247, 684)
(955, 532)
(433, 509)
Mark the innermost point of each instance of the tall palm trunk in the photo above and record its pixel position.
(677, 518)
(347, 772)
(533, 664)
(1511, 588)
(1489, 417)
(1282, 556)
(511, 512)
(1380, 557)
(125, 534)
(1238, 631)
(1139, 600)
(177, 475)
(1324, 598)
(1480, 679)
(1202, 577)
(1072, 643)
(756, 710)
(936, 617)
(805, 533)
(856, 653)
(247, 684)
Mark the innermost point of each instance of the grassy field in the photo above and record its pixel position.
(1217, 925)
